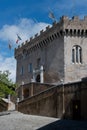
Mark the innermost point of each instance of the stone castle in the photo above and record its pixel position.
(56, 54)
(52, 71)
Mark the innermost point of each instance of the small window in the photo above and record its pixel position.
(30, 68)
(22, 70)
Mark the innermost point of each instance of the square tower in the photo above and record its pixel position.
(58, 53)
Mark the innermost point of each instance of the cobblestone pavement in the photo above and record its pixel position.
(14, 120)
(18, 121)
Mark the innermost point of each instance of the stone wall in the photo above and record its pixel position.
(51, 57)
(59, 101)
(75, 71)
(31, 89)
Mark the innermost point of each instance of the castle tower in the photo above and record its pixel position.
(61, 51)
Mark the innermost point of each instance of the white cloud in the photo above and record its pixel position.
(25, 28)
(8, 64)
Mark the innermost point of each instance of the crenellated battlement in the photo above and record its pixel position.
(66, 26)
(74, 18)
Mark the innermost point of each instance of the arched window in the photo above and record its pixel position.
(76, 54)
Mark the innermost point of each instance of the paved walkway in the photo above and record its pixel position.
(18, 121)
(14, 120)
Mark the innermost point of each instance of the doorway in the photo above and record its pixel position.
(76, 110)
(38, 78)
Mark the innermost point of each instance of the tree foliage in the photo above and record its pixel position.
(6, 85)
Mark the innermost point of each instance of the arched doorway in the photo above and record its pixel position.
(38, 78)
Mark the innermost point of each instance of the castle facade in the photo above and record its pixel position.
(56, 54)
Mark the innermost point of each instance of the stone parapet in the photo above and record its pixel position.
(65, 26)
(52, 102)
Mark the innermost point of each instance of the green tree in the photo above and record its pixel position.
(6, 85)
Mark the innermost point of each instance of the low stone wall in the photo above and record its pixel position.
(63, 101)
(41, 104)
(28, 90)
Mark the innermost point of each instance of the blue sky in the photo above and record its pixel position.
(28, 17)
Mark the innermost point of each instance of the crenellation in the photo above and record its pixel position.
(54, 23)
(26, 41)
(75, 18)
(51, 40)
(70, 26)
(31, 38)
(41, 31)
(64, 18)
(19, 46)
(66, 26)
(22, 44)
(36, 35)
(47, 28)
(75, 23)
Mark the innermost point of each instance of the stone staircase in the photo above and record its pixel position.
(10, 104)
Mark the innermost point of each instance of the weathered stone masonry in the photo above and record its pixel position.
(56, 50)
(56, 57)
(53, 101)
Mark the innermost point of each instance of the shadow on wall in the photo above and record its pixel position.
(65, 125)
